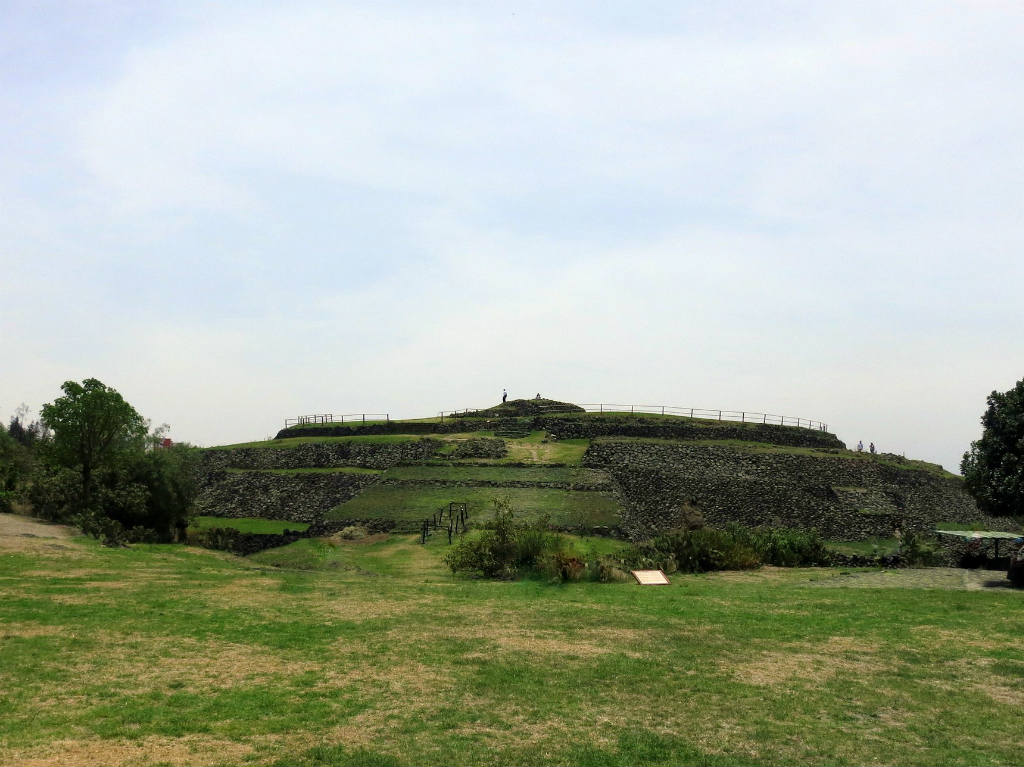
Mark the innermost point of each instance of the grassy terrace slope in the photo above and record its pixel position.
(409, 505)
(652, 466)
(375, 654)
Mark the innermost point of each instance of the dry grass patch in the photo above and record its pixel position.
(810, 663)
(976, 674)
(29, 630)
(188, 750)
(410, 683)
(935, 638)
(359, 608)
(134, 664)
(584, 644)
(243, 592)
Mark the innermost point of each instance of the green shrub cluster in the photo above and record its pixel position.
(506, 546)
(731, 548)
(917, 551)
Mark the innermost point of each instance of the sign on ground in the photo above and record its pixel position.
(650, 577)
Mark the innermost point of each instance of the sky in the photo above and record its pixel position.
(235, 213)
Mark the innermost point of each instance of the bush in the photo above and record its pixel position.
(505, 546)
(789, 547)
(561, 566)
(733, 548)
(352, 533)
(694, 551)
(917, 552)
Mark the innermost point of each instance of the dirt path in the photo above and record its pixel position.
(921, 578)
(14, 525)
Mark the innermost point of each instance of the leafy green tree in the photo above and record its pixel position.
(92, 427)
(993, 468)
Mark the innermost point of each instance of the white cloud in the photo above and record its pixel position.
(271, 210)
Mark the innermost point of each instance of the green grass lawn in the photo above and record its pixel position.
(411, 504)
(869, 547)
(160, 654)
(311, 470)
(498, 473)
(257, 525)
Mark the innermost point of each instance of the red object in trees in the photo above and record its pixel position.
(166, 442)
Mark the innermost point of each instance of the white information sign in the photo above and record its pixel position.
(650, 577)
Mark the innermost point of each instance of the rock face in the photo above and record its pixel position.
(322, 456)
(480, 448)
(682, 428)
(293, 497)
(845, 498)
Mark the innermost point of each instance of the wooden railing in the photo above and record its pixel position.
(741, 416)
(303, 420)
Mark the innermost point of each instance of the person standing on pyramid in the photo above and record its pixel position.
(504, 396)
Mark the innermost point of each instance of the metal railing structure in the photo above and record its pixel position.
(741, 416)
(303, 420)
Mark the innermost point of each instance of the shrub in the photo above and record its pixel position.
(561, 566)
(733, 548)
(505, 546)
(352, 533)
(917, 552)
(789, 547)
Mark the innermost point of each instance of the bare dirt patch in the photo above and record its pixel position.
(25, 535)
(14, 524)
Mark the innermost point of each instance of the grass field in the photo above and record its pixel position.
(412, 504)
(169, 655)
(256, 525)
(310, 470)
(497, 473)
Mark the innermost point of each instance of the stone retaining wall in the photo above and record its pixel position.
(562, 427)
(480, 448)
(368, 455)
(683, 428)
(732, 485)
(291, 497)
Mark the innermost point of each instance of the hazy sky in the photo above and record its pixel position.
(234, 213)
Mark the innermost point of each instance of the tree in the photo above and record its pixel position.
(92, 426)
(993, 468)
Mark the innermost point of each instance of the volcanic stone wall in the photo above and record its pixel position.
(593, 425)
(293, 497)
(683, 428)
(843, 498)
(321, 455)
